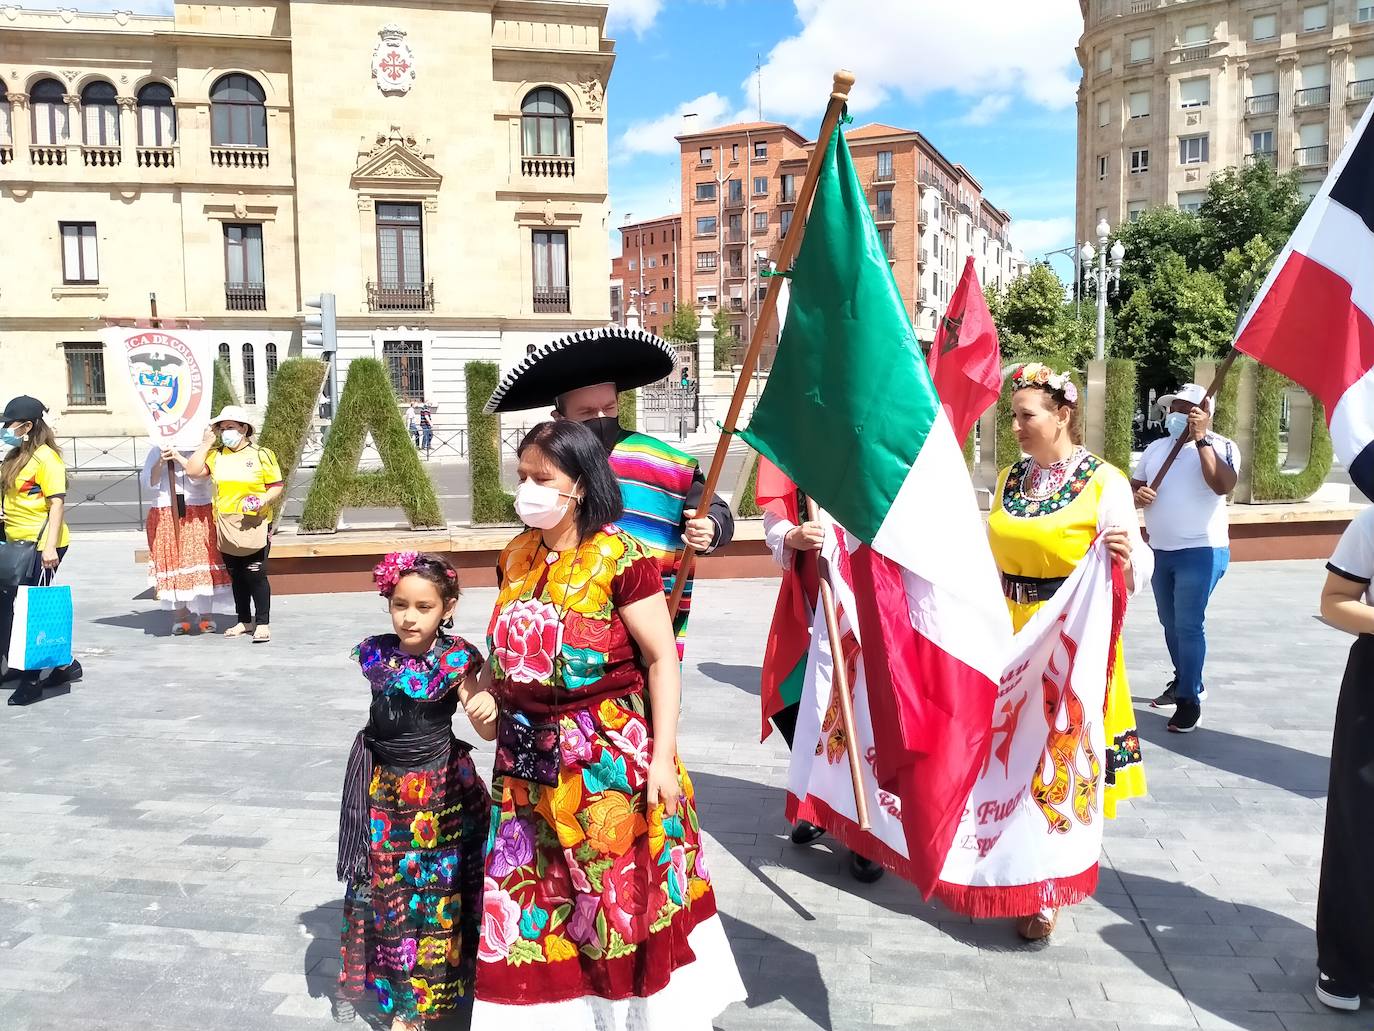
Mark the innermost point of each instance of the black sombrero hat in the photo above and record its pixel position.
(627, 357)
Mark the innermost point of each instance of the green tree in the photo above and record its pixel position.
(1034, 322)
(1243, 270)
(682, 327)
(1243, 203)
(1150, 239)
(1177, 318)
(724, 344)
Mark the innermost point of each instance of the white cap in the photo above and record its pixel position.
(234, 413)
(1190, 392)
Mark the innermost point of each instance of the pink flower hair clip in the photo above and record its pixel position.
(388, 572)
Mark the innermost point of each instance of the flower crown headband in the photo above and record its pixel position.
(1034, 374)
(388, 572)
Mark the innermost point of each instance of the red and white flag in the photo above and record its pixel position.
(1313, 319)
(965, 360)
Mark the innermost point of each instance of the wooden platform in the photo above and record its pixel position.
(342, 562)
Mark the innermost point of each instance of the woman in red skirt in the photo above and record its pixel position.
(184, 565)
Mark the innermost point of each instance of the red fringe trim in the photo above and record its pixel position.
(848, 834)
(985, 901)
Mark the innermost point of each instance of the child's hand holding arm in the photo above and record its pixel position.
(480, 704)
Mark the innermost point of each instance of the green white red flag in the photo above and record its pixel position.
(850, 414)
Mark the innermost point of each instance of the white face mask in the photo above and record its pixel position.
(231, 438)
(538, 506)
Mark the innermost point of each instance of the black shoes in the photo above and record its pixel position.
(865, 871)
(28, 692)
(1170, 696)
(1336, 995)
(1186, 717)
(69, 674)
(805, 833)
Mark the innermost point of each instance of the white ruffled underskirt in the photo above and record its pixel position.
(691, 999)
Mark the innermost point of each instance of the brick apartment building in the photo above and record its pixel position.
(645, 273)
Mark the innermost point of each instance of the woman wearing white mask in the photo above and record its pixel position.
(248, 482)
(598, 908)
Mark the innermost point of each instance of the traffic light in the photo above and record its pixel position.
(322, 329)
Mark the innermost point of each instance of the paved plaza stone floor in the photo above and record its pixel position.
(167, 834)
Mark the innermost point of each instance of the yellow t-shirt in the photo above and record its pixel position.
(42, 478)
(241, 474)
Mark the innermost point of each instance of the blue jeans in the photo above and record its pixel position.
(1183, 582)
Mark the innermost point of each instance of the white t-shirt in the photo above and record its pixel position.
(1354, 555)
(1186, 512)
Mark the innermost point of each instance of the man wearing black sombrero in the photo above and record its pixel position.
(581, 376)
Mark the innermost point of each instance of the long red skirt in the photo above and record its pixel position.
(185, 567)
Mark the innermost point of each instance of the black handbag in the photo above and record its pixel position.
(527, 750)
(17, 558)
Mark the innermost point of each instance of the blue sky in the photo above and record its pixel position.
(990, 82)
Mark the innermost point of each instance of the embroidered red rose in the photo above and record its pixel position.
(500, 923)
(525, 639)
(625, 894)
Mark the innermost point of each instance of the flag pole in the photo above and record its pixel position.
(1212, 391)
(791, 243)
(840, 687)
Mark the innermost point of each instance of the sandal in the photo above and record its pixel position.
(1038, 926)
(238, 630)
(262, 635)
(181, 628)
(207, 626)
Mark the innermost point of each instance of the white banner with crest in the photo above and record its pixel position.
(171, 375)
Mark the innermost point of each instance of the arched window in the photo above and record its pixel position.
(99, 115)
(546, 124)
(50, 122)
(157, 118)
(238, 113)
(250, 376)
(271, 351)
(225, 356)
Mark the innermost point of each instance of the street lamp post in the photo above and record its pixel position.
(1103, 277)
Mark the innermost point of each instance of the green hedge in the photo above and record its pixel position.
(1120, 413)
(747, 505)
(222, 389)
(368, 404)
(625, 405)
(1005, 449)
(1270, 482)
(491, 503)
(1227, 419)
(291, 404)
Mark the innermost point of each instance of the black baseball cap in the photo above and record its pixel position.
(23, 409)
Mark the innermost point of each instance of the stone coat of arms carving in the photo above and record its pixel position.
(393, 62)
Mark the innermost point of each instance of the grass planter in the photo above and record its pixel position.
(747, 505)
(222, 393)
(290, 410)
(1120, 413)
(629, 414)
(368, 404)
(491, 503)
(1270, 482)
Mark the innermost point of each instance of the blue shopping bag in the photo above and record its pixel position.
(42, 633)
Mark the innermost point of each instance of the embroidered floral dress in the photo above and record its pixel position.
(598, 911)
(410, 932)
(1041, 529)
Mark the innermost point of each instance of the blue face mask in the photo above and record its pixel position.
(1175, 423)
(9, 438)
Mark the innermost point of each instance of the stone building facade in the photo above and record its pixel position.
(1173, 92)
(441, 169)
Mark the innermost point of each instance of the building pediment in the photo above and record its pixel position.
(395, 161)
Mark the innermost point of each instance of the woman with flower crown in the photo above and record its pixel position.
(414, 815)
(1048, 510)
(598, 912)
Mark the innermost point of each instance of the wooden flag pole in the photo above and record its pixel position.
(171, 466)
(767, 311)
(840, 687)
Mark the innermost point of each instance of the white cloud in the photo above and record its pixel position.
(636, 15)
(988, 110)
(1035, 236)
(912, 48)
(655, 136)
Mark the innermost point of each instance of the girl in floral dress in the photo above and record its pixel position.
(598, 911)
(414, 814)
